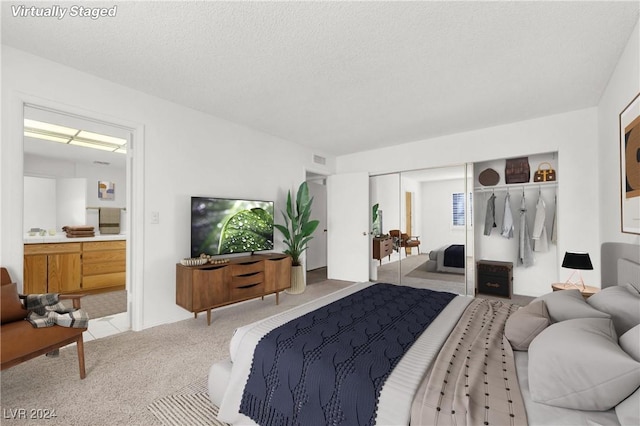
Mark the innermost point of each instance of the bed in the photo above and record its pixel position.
(448, 259)
(479, 360)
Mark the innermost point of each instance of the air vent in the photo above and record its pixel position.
(318, 159)
(102, 163)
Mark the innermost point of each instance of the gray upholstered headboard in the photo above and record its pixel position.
(628, 272)
(612, 254)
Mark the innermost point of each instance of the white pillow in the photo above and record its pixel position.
(578, 364)
(632, 288)
(630, 343)
(621, 304)
(628, 411)
(525, 324)
(569, 304)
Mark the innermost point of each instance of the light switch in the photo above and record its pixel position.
(155, 217)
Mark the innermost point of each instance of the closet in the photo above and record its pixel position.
(536, 270)
(432, 191)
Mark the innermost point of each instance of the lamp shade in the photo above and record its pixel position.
(576, 261)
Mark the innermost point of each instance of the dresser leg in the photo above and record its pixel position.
(208, 316)
(277, 297)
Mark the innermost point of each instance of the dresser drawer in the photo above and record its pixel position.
(52, 248)
(247, 290)
(249, 279)
(247, 268)
(104, 245)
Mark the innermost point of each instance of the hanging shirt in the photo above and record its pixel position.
(554, 226)
(507, 219)
(490, 217)
(525, 255)
(539, 235)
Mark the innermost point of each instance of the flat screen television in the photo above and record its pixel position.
(224, 225)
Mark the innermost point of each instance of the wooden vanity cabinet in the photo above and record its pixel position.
(52, 268)
(104, 264)
(74, 267)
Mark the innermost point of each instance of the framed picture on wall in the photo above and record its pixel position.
(106, 190)
(630, 167)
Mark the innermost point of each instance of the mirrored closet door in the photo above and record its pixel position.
(422, 228)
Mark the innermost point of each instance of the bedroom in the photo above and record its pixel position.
(585, 136)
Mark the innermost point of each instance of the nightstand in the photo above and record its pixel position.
(587, 291)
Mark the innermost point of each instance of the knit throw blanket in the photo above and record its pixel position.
(46, 310)
(328, 366)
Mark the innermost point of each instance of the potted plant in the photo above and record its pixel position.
(297, 232)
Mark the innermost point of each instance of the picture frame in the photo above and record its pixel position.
(106, 190)
(630, 167)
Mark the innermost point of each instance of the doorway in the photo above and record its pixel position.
(112, 299)
(316, 254)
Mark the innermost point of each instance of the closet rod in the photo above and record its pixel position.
(516, 186)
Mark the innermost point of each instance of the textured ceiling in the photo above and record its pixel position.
(344, 77)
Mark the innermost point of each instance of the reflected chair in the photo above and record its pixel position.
(401, 239)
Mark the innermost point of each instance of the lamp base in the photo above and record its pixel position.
(581, 285)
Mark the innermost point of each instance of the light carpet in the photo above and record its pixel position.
(129, 371)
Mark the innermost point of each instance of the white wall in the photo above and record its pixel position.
(437, 229)
(39, 203)
(186, 152)
(574, 135)
(623, 86)
(36, 165)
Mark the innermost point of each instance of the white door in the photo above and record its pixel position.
(317, 247)
(348, 241)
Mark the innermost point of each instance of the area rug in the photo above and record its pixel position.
(422, 272)
(189, 406)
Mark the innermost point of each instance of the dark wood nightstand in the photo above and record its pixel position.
(587, 291)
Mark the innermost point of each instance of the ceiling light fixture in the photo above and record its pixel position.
(78, 137)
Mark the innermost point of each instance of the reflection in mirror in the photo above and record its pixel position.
(385, 193)
(426, 218)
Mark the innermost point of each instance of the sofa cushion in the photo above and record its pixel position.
(525, 324)
(11, 308)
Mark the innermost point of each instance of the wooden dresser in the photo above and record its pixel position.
(382, 247)
(202, 288)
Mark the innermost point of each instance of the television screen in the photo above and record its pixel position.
(222, 226)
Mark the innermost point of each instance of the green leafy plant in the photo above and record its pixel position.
(375, 225)
(298, 229)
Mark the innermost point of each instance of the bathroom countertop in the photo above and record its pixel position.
(61, 237)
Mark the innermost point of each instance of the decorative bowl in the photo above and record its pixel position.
(195, 261)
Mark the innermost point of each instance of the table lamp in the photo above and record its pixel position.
(578, 261)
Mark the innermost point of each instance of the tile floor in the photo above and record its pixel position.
(106, 326)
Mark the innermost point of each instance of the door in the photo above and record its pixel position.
(348, 239)
(317, 247)
(408, 199)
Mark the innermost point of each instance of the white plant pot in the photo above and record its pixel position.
(297, 280)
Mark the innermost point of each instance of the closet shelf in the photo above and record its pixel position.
(515, 186)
